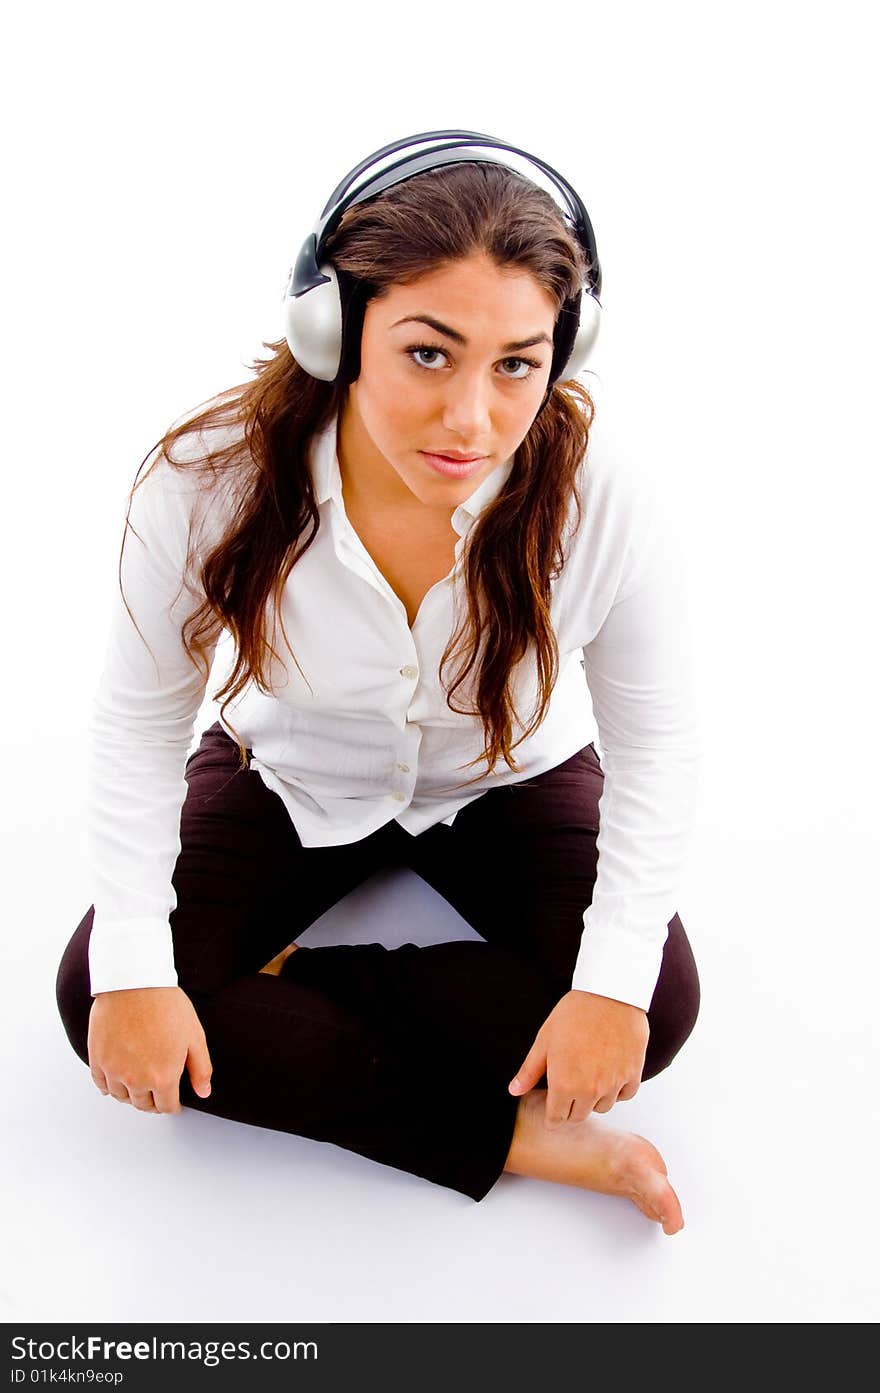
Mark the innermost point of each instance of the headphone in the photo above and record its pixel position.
(323, 307)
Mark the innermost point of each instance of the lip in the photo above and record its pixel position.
(452, 466)
(458, 455)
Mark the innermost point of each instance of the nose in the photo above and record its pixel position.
(466, 410)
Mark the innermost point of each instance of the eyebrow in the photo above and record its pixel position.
(460, 338)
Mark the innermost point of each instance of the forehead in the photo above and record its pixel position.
(473, 288)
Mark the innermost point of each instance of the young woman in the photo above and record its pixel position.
(438, 493)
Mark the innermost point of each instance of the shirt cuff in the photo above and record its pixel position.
(617, 964)
(126, 953)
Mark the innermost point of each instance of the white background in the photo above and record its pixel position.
(162, 167)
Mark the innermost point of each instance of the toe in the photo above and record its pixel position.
(659, 1195)
(650, 1187)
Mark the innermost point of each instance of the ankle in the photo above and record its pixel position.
(274, 967)
(525, 1146)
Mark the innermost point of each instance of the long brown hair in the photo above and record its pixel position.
(517, 546)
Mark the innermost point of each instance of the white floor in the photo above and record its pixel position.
(767, 1122)
(738, 242)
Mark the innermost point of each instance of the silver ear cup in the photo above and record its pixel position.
(313, 326)
(587, 333)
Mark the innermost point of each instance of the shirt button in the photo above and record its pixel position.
(409, 671)
(399, 797)
(404, 768)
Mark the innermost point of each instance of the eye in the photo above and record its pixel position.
(424, 348)
(531, 365)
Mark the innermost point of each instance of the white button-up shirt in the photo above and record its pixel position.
(357, 730)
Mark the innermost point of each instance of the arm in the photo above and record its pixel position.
(143, 1029)
(639, 672)
(638, 669)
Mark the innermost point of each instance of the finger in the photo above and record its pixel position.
(557, 1108)
(198, 1062)
(168, 1099)
(532, 1069)
(579, 1113)
(100, 1080)
(119, 1092)
(629, 1092)
(143, 1101)
(606, 1103)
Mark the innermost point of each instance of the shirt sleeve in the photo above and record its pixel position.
(140, 730)
(640, 677)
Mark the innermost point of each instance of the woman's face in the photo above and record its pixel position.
(471, 382)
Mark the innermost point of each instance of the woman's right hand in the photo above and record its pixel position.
(140, 1040)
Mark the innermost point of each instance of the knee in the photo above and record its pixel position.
(73, 989)
(675, 1004)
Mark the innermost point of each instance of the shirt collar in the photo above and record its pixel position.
(327, 480)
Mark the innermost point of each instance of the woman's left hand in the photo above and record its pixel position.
(592, 1049)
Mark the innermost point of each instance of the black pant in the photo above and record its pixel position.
(402, 1055)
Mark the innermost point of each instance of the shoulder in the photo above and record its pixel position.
(615, 475)
(193, 487)
(617, 491)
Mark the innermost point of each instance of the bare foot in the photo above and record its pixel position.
(275, 966)
(594, 1156)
